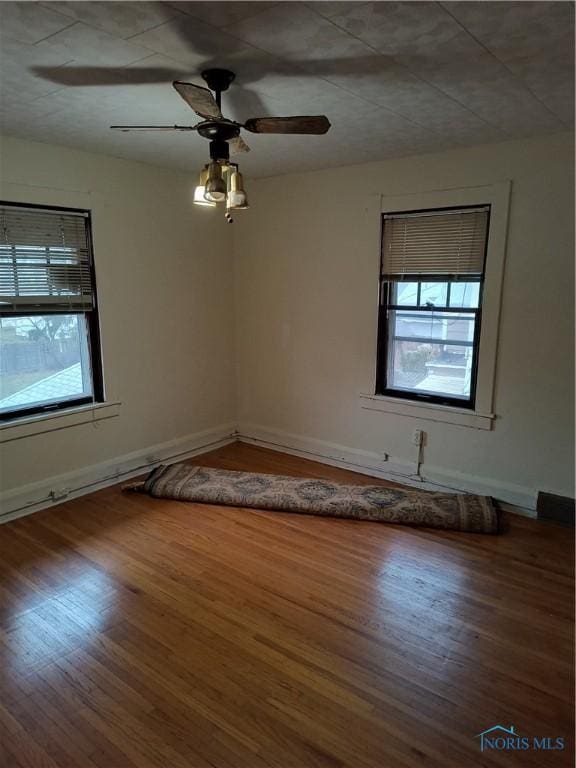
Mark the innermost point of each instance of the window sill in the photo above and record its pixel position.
(49, 422)
(442, 413)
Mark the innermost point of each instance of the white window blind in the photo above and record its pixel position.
(435, 242)
(45, 260)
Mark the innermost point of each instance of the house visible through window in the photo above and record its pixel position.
(49, 345)
(430, 304)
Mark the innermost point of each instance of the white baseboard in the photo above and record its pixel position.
(31, 498)
(354, 459)
(516, 498)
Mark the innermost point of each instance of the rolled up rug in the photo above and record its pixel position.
(376, 503)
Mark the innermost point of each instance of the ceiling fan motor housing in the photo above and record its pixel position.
(218, 133)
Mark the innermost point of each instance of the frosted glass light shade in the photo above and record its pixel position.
(237, 197)
(237, 200)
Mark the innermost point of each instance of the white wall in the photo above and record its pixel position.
(164, 279)
(305, 271)
(306, 259)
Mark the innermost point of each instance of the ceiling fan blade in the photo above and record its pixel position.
(153, 127)
(238, 145)
(200, 99)
(309, 124)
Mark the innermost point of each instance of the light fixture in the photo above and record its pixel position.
(200, 189)
(215, 191)
(220, 181)
(236, 198)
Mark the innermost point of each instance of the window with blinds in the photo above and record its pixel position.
(45, 260)
(432, 275)
(447, 242)
(49, 340)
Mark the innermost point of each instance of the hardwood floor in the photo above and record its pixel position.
(137, 632)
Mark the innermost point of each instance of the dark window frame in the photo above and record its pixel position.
(92, 325)
(385, 306)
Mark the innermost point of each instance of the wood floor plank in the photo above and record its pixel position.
(141, 633)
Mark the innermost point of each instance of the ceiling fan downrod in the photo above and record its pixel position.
(218, 80)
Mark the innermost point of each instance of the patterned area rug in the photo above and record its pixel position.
(449, 511)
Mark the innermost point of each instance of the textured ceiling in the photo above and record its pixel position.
(394, 78)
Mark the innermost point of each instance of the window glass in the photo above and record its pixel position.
(431, 352)
(406, 294)
(431, 368)
(44, 359)
(464, 294)
(452, 327)
(433, 294)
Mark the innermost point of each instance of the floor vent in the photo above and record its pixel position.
(550, 506)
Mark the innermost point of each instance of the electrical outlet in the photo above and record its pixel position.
(417, 437)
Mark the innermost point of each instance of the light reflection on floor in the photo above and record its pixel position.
(51, 623)
(412, 601)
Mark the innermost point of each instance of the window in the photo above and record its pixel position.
(49, 342)
(432, 275)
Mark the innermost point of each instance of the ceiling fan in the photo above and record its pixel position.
(220, 180)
